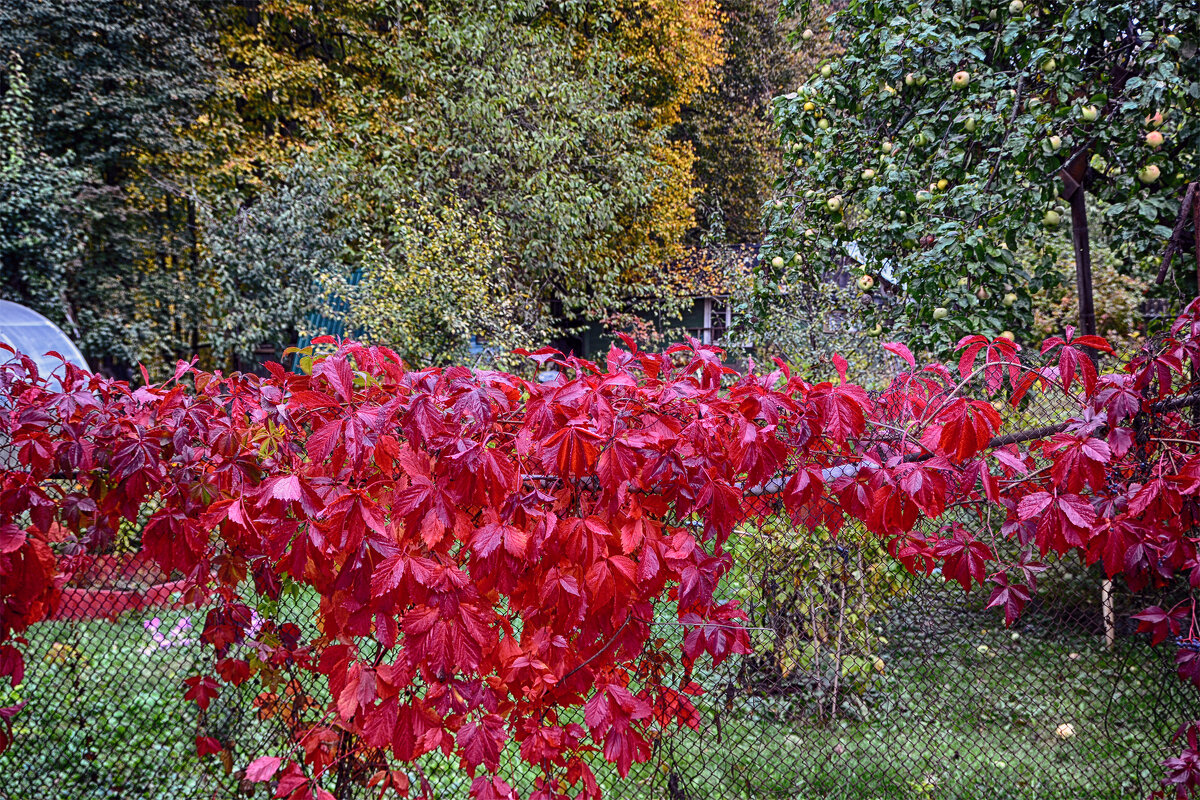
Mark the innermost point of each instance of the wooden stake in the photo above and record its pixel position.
(1106, 602)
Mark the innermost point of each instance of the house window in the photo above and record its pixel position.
(721, 318)
(715, 322)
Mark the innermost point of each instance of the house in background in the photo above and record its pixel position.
(709, 275)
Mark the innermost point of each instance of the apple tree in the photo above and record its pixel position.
(949, 133)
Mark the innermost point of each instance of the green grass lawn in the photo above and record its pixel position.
(962, 710)
(105, 717)
(949, 720)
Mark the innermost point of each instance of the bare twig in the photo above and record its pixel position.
(1175, 242)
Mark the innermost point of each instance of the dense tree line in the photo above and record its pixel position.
(956, 150)
(197, 176)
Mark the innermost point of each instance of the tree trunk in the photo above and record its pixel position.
(1072, 176)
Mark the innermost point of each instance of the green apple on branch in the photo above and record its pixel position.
(957, 177)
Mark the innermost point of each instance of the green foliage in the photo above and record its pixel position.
(263, 258)
(824, 598)
(186, 119)
(939, 184)
(110, 86)
(549, 124)
(1007, 704)
(1119, 294)
(730, 125)
(113, 80)
(525, 120)
(39, 244)
(431, 281)
(808, 326)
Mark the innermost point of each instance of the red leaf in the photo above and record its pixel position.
(964, 558)
(840, 365)
(336, 369)
(1012, 597)
(262, 769)
(1032, 505)
(233, 671)
(207, 745)
(1160, 623)
(481, 743)
(12, 537)
(201, 689)
(388, 574)
(967, 428)
(901, 350)
(574, 450)
(493, 788)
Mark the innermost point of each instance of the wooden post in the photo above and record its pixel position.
(1072, 175)
(1106, 603)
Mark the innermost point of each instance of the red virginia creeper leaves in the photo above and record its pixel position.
(262, 769)
(489, 553)
(967, 428)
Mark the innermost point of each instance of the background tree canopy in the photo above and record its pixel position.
(933, 144)
(110, 86)
(207, 174)
(202, 177)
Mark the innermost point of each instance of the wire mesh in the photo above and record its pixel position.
(864, 682)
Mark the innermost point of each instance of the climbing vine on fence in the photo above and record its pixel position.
(493, 556)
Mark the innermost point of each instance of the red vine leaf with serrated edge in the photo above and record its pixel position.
(491, 556)
(1071, 358)
(1000, 358)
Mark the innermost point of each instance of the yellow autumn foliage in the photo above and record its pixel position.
(434, 285)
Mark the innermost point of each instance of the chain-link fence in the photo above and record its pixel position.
(864, 682)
